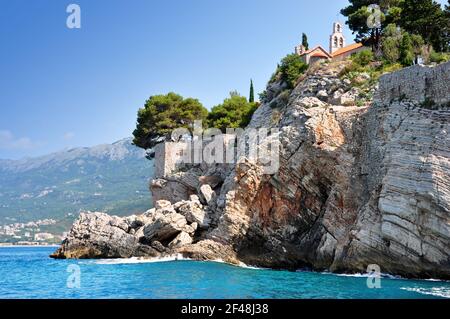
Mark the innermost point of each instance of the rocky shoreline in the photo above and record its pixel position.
(357, 185)
(163, 231)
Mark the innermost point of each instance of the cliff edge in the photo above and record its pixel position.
(356, 185)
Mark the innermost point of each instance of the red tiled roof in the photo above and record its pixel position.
(346, 49)
(321, 52)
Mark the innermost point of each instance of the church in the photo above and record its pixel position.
(338, 49)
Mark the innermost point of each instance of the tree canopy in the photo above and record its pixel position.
(234, 112)
(162, 114)
(426, 18)
(358, 14)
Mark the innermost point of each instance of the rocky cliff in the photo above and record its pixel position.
(357, 185)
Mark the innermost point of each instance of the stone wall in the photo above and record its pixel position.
(171, 156)
(168, 157)
(417, 84)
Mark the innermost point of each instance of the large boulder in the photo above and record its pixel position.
(207, 195)
(182, 239)
(98, 235)
(165, 227)
(194, 213)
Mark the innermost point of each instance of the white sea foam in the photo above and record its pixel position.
(242, 265)
(383, 275)
(178, 257)
(443, 292)
(139, 260)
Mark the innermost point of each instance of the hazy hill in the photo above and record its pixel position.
(109, 178)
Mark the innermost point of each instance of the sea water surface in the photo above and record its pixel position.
(28, 272)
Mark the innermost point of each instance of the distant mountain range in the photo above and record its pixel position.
(111, 178)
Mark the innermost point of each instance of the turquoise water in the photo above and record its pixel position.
(27, 272)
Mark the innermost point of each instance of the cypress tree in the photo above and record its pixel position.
(305, 41)
(251, 98)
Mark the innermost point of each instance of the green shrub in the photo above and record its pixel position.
(275, 76)
(439, 57)
(234, 112)
(291, 68)
(162, 114)
(263, 96)
(363, 58)
(350, 70)
(391, 51)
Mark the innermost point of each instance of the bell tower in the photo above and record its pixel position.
(337, 39)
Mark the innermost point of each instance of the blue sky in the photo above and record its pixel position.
(62, 88)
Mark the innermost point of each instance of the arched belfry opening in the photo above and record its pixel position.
(337, 39)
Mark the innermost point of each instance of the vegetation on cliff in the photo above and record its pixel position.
(234, 112)
(162, 114)
(403, 32)
(424, 18)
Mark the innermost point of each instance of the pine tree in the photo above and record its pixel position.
(447, 29)
(358, 14)
(428, 19)
(251, 98)
(305, 41)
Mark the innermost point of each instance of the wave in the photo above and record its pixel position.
(361, 275)
(383, 275)
(178, 257)
(436, 291)
(137, 260)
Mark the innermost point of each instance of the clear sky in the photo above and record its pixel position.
(63, 87)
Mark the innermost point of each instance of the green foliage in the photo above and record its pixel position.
(427, 19)
(234, 112)
(360, 63)
(400, 46)
(305, 41)
(263, 96)
(439, 57)
(390, 44)
(164, 113)
(417, 44)
(391, 50)
(251, 98)
(276, 75)
(363, 58)
(291, 68)
(406, 51)
(358, 13)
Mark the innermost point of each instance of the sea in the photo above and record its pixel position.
(28, 272)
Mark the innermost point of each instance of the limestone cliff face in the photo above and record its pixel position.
(356, 185)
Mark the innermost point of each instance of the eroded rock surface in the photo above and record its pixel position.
(356, 186)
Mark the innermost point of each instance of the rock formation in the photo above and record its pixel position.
(357, 185)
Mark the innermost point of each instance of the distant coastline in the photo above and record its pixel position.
(6, 245)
